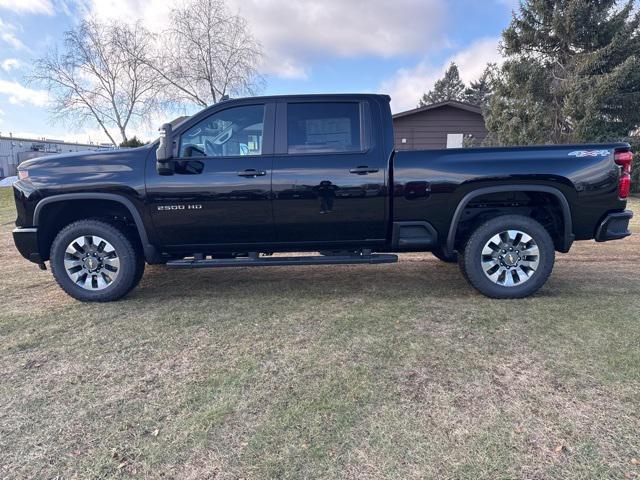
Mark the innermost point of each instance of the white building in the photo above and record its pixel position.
(14, 150)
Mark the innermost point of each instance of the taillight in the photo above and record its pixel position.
(624, 159)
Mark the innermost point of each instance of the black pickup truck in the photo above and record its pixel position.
(246, 179)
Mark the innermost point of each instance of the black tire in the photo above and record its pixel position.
(445, 257)
(140, 259)
(471, 263)
(130, 269)
(463, 267)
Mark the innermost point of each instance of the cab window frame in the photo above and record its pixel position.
(267, 131)
(365, 125)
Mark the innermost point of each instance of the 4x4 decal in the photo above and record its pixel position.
(590, 153)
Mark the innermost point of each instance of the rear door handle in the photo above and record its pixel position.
(252, 173)
(363, 170)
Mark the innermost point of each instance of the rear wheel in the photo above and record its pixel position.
(508, 257)
(95, 261)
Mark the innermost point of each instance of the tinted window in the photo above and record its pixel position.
(233, 132)
(323, 127)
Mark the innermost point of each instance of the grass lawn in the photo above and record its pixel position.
(394, 371)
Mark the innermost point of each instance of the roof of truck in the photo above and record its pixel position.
(310, 96)
(299, 97)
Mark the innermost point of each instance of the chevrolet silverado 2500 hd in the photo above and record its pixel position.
(247, 178)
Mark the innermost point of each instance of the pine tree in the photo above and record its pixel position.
(572, 73)
(480, 92)
(133, 142)
(450, 87)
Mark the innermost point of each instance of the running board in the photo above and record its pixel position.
(284, 261)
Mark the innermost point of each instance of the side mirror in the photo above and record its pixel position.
(164, 154)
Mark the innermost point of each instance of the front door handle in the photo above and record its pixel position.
(363, 170)
(252, 173)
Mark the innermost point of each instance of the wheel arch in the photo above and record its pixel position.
(567, 234)
(128, 206)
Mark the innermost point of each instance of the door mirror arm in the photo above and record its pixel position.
(164, 153)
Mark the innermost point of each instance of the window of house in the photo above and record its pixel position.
(324, 127)
(455, 140)
(233, 132)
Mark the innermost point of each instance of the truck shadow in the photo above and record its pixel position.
(407, 279)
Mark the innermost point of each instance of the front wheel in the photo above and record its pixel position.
(95, 261)
(509, 257)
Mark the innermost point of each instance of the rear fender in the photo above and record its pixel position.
(567, 237)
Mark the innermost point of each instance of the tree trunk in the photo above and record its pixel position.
(123, 134)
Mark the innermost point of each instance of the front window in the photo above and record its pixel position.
(233, 132)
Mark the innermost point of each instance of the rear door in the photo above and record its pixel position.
(329, 176)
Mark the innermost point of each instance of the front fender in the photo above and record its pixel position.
(150, 251)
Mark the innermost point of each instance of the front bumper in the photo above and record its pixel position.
(614, 227)
(26, 240)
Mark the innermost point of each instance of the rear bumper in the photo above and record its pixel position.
(26, 240)
(614, 227)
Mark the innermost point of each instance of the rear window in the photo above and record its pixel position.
(324, 127)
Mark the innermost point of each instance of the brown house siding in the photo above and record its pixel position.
(429, 129)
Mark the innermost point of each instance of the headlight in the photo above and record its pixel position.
(23, 174)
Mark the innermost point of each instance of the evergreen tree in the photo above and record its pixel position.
(133, 142)
(450, 87)
(572, 73)
(480, 92)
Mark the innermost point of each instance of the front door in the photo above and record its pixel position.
(329, 175)
(220, 193)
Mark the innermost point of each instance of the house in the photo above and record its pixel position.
(449, 124)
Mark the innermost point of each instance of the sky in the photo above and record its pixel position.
(397, 47)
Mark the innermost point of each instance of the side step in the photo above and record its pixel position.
(283, 261)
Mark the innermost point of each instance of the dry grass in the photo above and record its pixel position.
(397, 371)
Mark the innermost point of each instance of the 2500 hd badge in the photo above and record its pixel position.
(166, 208)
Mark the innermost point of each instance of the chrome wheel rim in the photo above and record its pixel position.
(91, 262)
(510, 258)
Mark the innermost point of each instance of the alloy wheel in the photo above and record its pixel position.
(510, 258)
(91, 262)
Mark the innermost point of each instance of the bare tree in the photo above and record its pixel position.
(100, 78)
(206, 54)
